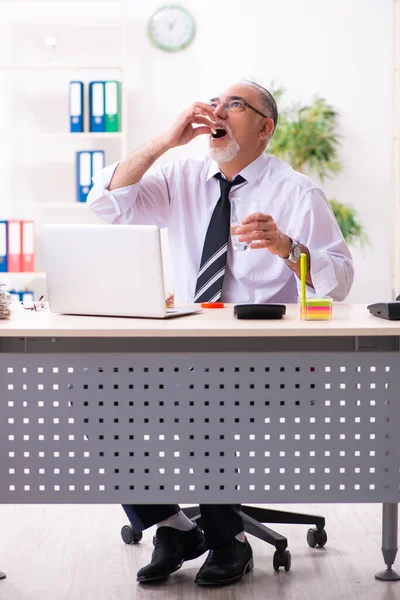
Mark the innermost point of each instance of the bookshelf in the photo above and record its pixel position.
(36, 147)
(59, 67)
(26, 274)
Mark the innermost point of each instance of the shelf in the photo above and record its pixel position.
(23, 275)
(66, 134)
(56, 67)
(49, 205)
(71, 204)
(30, 2)
(83, 134)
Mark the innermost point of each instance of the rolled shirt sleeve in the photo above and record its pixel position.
(144, 203)
(332, 271)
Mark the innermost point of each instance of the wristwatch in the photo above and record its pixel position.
(294, 253)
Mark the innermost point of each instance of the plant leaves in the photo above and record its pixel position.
(306, 137)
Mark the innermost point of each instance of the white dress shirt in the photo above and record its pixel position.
(181, 196)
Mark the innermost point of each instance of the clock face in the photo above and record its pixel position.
(171, 28)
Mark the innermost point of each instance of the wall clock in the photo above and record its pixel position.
(171, 28)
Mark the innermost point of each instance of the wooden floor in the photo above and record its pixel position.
(61, 552)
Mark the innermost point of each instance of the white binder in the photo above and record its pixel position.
(97, 161)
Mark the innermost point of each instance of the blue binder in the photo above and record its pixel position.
(83, 174)
(76, 106)
(96, 106)
(3, 246)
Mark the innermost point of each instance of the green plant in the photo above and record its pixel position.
(351, 228)
(307, 138)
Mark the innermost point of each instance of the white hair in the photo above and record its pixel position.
(268, 102)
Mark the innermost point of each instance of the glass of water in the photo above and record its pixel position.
(240, 209)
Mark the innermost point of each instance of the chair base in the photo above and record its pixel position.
(254, 517)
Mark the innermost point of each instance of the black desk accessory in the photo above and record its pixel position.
(386, 310)
(259, 311)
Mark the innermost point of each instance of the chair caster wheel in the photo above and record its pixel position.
(282, 560)
(316, 538)
(129, 536)
(2, 575)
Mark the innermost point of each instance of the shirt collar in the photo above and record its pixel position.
(251, 173)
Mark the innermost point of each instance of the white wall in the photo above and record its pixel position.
(340, 50)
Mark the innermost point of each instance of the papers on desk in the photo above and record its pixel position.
(5, 302)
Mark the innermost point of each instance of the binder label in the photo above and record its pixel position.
(98, 101)
(111, 97)
(3, 240)
(97, 162)
(85, 170)
(75, 104)
(28, 238)
(14, 237)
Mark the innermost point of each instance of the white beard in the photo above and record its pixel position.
(225, 154)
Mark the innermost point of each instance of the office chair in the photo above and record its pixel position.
(253, 519)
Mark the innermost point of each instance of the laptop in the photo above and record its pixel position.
(106, 270)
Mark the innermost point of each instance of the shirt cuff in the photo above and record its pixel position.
(322, 273)
(121, 198)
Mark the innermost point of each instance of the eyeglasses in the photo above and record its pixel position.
(39, 305)
(236, 105)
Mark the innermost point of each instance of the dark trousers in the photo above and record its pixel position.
(221, 522)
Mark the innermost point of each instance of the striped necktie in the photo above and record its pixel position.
(213, 259)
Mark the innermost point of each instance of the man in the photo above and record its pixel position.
(191, 199)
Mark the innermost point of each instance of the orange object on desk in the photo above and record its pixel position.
(212, 305)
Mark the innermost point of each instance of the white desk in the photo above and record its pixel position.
(202, 408)
(349, 320)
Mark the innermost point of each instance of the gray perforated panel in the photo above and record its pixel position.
(200, 427)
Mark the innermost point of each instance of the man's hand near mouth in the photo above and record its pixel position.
(183, 131)
(198, 119)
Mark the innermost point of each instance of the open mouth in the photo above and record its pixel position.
(219, 133)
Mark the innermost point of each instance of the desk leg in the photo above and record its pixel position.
(389, 541)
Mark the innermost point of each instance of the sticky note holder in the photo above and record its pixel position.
(316, 309)
(312, 309)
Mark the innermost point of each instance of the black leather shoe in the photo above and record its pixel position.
(171, 549)
(226, 564)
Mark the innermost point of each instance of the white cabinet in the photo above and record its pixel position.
(43, 46)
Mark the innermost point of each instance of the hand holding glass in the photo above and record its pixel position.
(240, 209)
